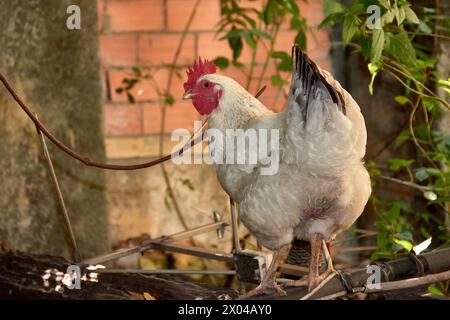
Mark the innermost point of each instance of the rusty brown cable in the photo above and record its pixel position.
(92, 163)
(76, 155)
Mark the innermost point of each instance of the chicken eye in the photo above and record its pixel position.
(206, 85)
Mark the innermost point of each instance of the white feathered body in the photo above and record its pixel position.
(321, 185)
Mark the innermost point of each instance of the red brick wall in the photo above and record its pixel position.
(146, 33)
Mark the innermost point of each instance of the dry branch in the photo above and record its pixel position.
(21, 277)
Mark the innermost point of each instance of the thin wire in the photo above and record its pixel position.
(93, 163)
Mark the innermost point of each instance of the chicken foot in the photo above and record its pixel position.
(314, 278)
(268, 283)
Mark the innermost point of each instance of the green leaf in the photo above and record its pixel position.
(249, 39)
(300, 39)
(129, 83)
(292, 7)
(385, 3)
(332, 6)
(400, 15)
(250, 20)
(232, 34)
(350, 28)
(222, 62)
(377, 45)
(425, 28)
(442, 200)
(373, 69)
(407, 245)
(421, 174)
(393, 213)
(167, 201)
(285, 65)
(280, 55)
(401, 100)
(402, 138)
(388, 17)
(404, 235)
(395, 164)
(236, 45)
(332, 19)
(366, 45)
(295, 23)
(286, 61)
(269, 11)
(429, 103)
(188, 183)
(260, 33)
(434, 172)
(137, 71)
(442, 82)
(433, 289)
(130, 97)
(169, 100)
(237, 64)
(400, 47)
(411, 16)
(277, 81)
(394, 9)
(357, 8)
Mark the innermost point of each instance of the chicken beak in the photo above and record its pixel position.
(188, 95)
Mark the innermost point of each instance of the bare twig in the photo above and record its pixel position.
(406, 183)
(62, 204)
(334, 295)
(320, 286)
(357, 248)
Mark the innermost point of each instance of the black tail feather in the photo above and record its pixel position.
(310, 77)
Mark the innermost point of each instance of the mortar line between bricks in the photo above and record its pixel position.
(166, 15)
(137, 55)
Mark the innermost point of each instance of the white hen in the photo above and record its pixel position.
(321, 186)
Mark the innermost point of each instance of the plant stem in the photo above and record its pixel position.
(406, 183)
(445, 103)
(413, 135)
(269, 52)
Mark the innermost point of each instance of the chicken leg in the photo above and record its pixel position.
(314, 277)
(268, 283)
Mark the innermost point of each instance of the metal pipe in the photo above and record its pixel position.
(167, 271)
(51, 170)
(149, 244)
(234, 228)
(193, 251)
(192, 232)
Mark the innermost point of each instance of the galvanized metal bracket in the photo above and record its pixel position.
(251, 266)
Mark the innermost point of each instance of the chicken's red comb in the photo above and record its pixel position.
(199, 69)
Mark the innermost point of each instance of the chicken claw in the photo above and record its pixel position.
(264, 288)
(268, 283)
